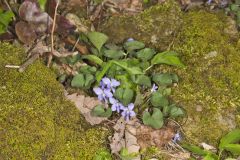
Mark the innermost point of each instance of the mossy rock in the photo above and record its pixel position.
(36, 122)
(209, 89)
(156, 26)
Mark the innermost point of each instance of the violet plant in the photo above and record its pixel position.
(123, 77)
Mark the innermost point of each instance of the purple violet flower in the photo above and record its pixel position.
(128, 112)
(177, 137)
(154, 88)
(103, 94)
(110, 83)
(130, 39)
(116, 105)
(209, 2)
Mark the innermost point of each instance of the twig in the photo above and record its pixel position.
(28, 62)
(52, 32)
(12, 66)
(75, 44)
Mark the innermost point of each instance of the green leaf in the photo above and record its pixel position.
(78, 81)
(87, 69)
(155, 120)
(73, 59)
(166, 110)
(114, 54)
(93, 58)
(89, 79)
(167, 57)
(102, 155)
(105, 68)
(133, 45)
(165, 79)
(100, 111)
(5, 19)
(98, 39)
(234, 7)
(125, 81)
(145, 54)
(233, 148)
(124, 95)
(144, 65)
(82, 81)
(124, 155)
(130, 70)
(42, 4)
(175, 111)
(208, 157)
(142, 80)
(158, 100)
(231, 137)
(197, 150)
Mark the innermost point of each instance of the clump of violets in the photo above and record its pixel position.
(105, 93)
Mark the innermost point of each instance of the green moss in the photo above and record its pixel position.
(156, 26)
(36, 122)
(209, 88)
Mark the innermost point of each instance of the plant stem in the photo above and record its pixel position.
(52, 33)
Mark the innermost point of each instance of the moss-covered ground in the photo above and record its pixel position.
(36, 122)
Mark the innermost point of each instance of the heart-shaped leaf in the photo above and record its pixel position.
(125, 80)
(87, 69)
(98, 39)
(142, 80)
(175, 111)
(114, 54)
(100, 111)
(78, 81)
(145, 54)
(89, 79)
(158, 100)
(73, 59)
(124, 95)
(167, 57)
(231, 137)
(155, 120)
(82, 81)
(133, 45)
(165, 79)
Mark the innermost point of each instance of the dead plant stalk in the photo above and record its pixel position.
(52, 33)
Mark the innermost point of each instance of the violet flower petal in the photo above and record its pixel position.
(114, 83)
(130, 106)
(98, 90)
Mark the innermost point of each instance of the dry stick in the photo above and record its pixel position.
(28, 62)
(52, 32)
(12, 66)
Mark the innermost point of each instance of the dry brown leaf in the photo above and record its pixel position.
(85, 106)
(125, 137)
(148, 136)
(180, 156)
(25, 32)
